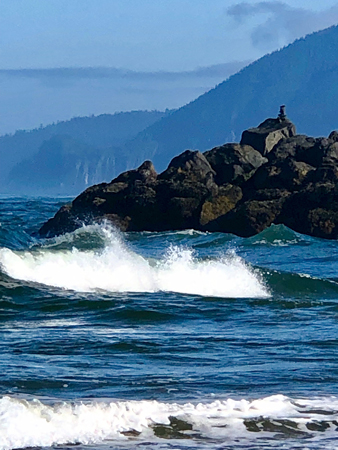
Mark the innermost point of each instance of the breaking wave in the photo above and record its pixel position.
(35, 424)
(115, 267)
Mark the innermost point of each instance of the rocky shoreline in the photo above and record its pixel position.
(272, 176)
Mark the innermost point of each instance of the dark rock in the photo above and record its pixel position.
(220, 204)
(327, 172)
(98, 197)
(182, 213)
(234, 163)
(145, 173)
(231, 188)
(288, 174)
(122, 223)
(330, 155)
(168, 189)
(141, 206)
(292, 147)
(180, 203)
(268, 177)
(314, 155)
(249, 218)
(322, 223)
(64, 221)
(268, 134)
(114, 187)
(333, 136)
(190, 165)
(269, 194)
(313, 211)
(188, 175)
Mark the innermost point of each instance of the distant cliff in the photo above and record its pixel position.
(272, 176)
(65, 157)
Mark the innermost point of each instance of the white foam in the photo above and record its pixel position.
(32, 423)
(117, 268)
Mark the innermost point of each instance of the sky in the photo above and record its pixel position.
(142, 54)
(152, 35)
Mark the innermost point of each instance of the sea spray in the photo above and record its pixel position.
(116, 268)
(33, 423)
(227, 276)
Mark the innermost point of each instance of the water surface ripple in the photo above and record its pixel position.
(176, 340)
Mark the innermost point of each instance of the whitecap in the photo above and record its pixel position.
(116, 268)
(32, 423)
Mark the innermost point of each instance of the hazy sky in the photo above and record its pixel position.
(151, 35)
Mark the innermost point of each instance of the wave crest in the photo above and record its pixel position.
(116, 268)
(32, 423)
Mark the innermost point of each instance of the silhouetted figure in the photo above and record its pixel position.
(282, 115)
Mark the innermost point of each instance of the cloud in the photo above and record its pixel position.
(281, 23)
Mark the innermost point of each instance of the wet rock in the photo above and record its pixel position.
(182, 213)
(64, 221)
(249, 218)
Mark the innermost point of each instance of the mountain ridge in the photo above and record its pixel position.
(301, 75)
(79, 142)
(287, 76)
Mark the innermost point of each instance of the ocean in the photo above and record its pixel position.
(175, 340)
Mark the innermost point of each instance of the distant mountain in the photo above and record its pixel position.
(63, 165)
(302, 75)
(68, 156)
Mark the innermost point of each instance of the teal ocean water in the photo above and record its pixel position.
(177, 340)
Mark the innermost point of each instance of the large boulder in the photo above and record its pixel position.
(216, 206)
(189, 166)
(313, 211)
(64, 221)
(293, 147)
(249, 218)
(234, 163)
(324, 151)
(145, 173)
(268, 134)
(288, 174)
(182, 213)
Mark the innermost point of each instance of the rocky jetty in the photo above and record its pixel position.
(272, 176)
